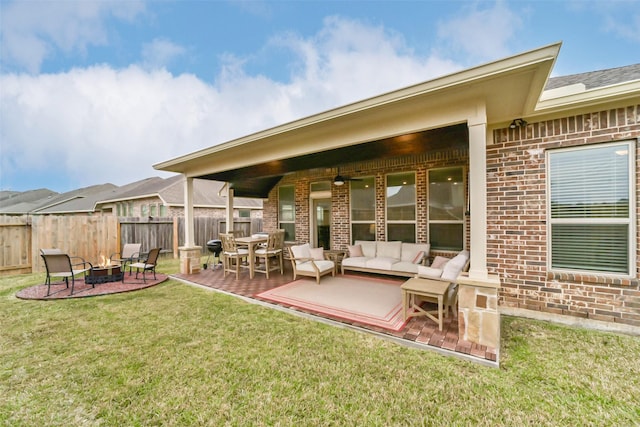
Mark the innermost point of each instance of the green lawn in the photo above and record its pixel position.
(175, 355)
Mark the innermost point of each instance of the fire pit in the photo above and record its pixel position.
(97, 275)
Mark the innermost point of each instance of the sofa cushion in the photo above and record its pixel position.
(410, 250)
(381, 263)
(389, 250)
(453, 268)
(360, 261)
(429, 272)
(405, 266)
(355, 251)
(368, 248)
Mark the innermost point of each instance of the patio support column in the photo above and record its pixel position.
(478, 315)
(229, 208)
(189, 253)
(478, 196)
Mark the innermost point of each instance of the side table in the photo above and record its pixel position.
(423, 287)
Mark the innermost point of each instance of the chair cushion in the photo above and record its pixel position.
(300, 251)
(322, 266)
(317, 253)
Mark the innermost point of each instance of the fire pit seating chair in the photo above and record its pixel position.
(394, 258)
(307, 261)
(59, 264)
(448, 270)
(130, 253)
(148, 264)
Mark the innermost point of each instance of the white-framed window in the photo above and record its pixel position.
(446, 208)
(591, 208)
(287, 211)
(401, 207)
(363, 209)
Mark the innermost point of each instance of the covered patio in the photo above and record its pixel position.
(445, 122)
(419, 332)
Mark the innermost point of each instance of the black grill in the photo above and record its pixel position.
(215, 247)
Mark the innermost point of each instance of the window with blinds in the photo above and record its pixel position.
(590, 217)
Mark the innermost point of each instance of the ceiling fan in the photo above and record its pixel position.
(340, 180)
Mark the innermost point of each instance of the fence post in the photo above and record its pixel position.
(176, 237)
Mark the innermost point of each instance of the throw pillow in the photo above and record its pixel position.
(418, 258)
(439, 262)
(317, 253)
(355, 251)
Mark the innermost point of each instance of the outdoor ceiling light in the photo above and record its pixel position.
(338, 180)
(517, 123)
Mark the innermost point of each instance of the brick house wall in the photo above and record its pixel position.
(340, 221)
(516, 219)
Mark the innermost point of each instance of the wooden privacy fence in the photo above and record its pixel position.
(15, 237)
(92, 237)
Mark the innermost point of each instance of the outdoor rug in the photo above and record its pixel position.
(370, 301)
(59, 289)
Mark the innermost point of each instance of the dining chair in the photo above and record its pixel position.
(273, 249)
(232, 255)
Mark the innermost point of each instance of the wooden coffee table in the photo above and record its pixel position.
(423, 287)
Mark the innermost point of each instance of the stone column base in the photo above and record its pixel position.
(478, 316)
(190, 259)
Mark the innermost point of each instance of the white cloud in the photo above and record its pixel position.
(100, 124)
(34, 30)
(481, 34)
(160, 53)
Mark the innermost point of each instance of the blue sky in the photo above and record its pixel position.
(98, 91)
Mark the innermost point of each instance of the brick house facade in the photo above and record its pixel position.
(515, 118)
(517, 216)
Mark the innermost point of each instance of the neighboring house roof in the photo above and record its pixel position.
(206, 193)
(76, 201)
(596, 79)
(12, 202)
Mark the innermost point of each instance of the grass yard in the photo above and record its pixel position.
(176, 355)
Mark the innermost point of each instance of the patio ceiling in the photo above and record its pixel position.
(258, 180)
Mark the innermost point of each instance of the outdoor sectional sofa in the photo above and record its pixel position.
(392, 258)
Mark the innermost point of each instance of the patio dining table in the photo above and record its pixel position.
(251, 242)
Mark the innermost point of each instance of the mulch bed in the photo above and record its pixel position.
(59, 290)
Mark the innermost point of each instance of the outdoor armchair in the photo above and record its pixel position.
(60, 265)
(130, 253)
(148, 264)
(307, 261)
